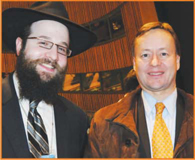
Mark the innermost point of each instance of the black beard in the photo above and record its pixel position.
(32, 87)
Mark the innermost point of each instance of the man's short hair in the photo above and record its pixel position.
(156, 25)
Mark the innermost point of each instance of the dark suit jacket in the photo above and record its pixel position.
(71, 126)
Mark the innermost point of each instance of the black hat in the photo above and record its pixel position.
(14, 20)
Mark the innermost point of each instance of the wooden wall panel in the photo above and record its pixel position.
(109, 56)
(8, 62)
(113, 55)
(82, 12)
(92, 102)
(19, 4)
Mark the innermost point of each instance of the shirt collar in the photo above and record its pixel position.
(16, 85)
(169, 102)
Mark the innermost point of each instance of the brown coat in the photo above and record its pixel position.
(113, 132)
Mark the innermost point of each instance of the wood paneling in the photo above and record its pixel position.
(92, 102)
(8, 62)
(113, 55)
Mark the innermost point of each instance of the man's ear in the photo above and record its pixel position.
(134, 64)
(178, 62)
(18, 45)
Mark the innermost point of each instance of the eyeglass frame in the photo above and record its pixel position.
(52, 43)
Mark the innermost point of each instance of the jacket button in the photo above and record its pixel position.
(128, 142)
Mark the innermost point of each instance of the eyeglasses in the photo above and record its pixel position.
(48, 45)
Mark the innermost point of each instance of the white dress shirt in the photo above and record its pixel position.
(169, 114)
(47, 113)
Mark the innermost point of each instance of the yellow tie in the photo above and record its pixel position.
(161, 140)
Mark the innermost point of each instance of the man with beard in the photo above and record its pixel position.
(36, 121)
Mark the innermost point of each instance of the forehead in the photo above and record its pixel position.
(49, 28)
(155, 38)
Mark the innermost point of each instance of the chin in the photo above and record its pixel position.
(46, 77)
(157, 89)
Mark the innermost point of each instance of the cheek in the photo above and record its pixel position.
(33, 54)
(29, 55)
(141, 66)
(172, 66)
(62, 62)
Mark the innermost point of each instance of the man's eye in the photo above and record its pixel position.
(164, 54)
(145, 55)
(44, 43)
(62, 49)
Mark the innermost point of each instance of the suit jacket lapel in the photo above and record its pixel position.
(179, 118)
(184, 124)
(143, 131)
(62, 130)
(128, 117)
(12, 122)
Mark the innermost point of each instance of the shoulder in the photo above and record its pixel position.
(187, 99)
(8, 90)
(5, 84)
(121, 107)
(72, 108)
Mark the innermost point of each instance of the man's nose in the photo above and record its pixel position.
(155, 61)
(53, 53)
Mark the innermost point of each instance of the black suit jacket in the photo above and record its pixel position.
(71, 126)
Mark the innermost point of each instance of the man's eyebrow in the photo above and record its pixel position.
(162, 48)
(146, 49)
(151, 49)
(45, 37)
(65, 44)
(48, 38)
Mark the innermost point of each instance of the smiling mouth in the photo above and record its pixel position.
(47, 65)
(156, 74)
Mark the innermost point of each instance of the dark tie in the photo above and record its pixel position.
(37, 136)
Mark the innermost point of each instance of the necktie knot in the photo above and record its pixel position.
(159, 107)
(34, 104)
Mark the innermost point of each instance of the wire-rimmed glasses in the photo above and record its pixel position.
(48, 45)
